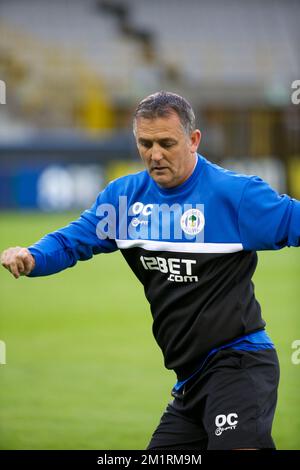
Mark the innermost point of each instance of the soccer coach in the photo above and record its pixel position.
(196, 271)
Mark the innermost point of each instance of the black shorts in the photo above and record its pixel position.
(229, 405)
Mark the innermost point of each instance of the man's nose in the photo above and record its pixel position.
(156, 153)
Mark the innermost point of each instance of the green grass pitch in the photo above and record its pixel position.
(83, 370)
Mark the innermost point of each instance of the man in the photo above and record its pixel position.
(189, 230)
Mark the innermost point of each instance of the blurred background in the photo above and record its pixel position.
(71, 75)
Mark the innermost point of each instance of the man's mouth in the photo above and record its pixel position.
(159, 168)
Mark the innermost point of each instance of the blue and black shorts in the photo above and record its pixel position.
(229, 405)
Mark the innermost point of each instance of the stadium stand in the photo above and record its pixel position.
(244, 43)
(79, 67)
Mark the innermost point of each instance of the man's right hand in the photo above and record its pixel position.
(19, 261)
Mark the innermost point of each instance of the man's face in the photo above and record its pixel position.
(166, 149)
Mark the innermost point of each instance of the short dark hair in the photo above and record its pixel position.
(162, 104)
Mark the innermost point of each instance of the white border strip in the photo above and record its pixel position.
(183, 247)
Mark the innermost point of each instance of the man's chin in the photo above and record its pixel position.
(163, 181)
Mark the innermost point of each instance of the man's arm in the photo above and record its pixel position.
(267, 220)
(61, 249)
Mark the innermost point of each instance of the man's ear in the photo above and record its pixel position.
(195, 140)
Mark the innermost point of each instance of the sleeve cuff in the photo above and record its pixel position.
(38, 258)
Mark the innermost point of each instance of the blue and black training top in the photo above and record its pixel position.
(193, 247)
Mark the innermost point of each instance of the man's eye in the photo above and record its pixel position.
(148, 145)
(167, 145)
